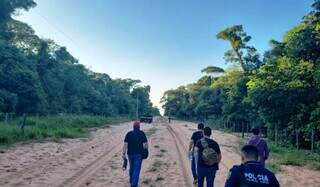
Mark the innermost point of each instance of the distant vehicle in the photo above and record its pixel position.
(146, 119)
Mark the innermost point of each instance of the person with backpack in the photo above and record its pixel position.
(193, 155)
(136, 147)
(209, 158)
(251, 173)
(261, 144)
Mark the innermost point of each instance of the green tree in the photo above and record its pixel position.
(241, 53)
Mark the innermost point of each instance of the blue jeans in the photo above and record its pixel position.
(194, 163)
(206, 173)
(135, 162)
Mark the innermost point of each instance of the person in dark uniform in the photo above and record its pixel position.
(192, 153)
(134, 144)
(251, 173)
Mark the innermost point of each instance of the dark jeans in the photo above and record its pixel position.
(193, 168)
(135, 167)
(206, 173)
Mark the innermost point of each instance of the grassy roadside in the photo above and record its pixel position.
(284, 155)
(53, 127)
(281, 155)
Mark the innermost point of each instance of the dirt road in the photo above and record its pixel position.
(96, 161)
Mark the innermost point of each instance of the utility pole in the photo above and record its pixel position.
(137, 106)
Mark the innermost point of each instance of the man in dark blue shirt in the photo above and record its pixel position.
(134, 144)
(206, 171)
(251, 173)
(192, 154)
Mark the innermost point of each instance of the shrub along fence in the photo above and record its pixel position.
(299, 138)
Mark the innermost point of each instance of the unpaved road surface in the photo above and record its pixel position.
(96, 161)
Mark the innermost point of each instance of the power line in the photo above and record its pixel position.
(55, 27)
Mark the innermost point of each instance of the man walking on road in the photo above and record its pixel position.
(261, 144)
(193, 155)
(251, 173)
(135, 146)
(209, 158)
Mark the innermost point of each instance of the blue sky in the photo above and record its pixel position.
(164, 43)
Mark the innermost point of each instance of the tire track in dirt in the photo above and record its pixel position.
(182, 150)
(81, 177)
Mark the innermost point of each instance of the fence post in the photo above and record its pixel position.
(276, 134)
(242, 126)
(6, 118)
(297, 138)
(312, 140)
(37, 119)
(24, 119)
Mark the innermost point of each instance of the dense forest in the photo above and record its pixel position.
(278, 91)
(37, 76)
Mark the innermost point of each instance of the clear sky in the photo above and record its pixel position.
(164, 43)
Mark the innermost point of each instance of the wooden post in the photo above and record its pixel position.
(6, 118)
(242, 125)
(37, 120)
(285, 135)
(297, 138)
(24, 119)
(312, 140)
(234, 126)
(224, 123)
(276, 134)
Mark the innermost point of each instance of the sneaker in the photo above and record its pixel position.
(195, 182)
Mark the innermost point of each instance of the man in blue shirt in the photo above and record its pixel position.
(134, 144)
(193, 155)
(251, 173)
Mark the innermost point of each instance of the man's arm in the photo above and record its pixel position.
(275, 182)
(219, 158)
(219, 152)
(191, 146)
(124, 150)
(266, 150)
(233, 179)
(145, 145)
(145, 141)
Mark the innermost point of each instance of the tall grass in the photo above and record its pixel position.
(53, 127)
(280, 155)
